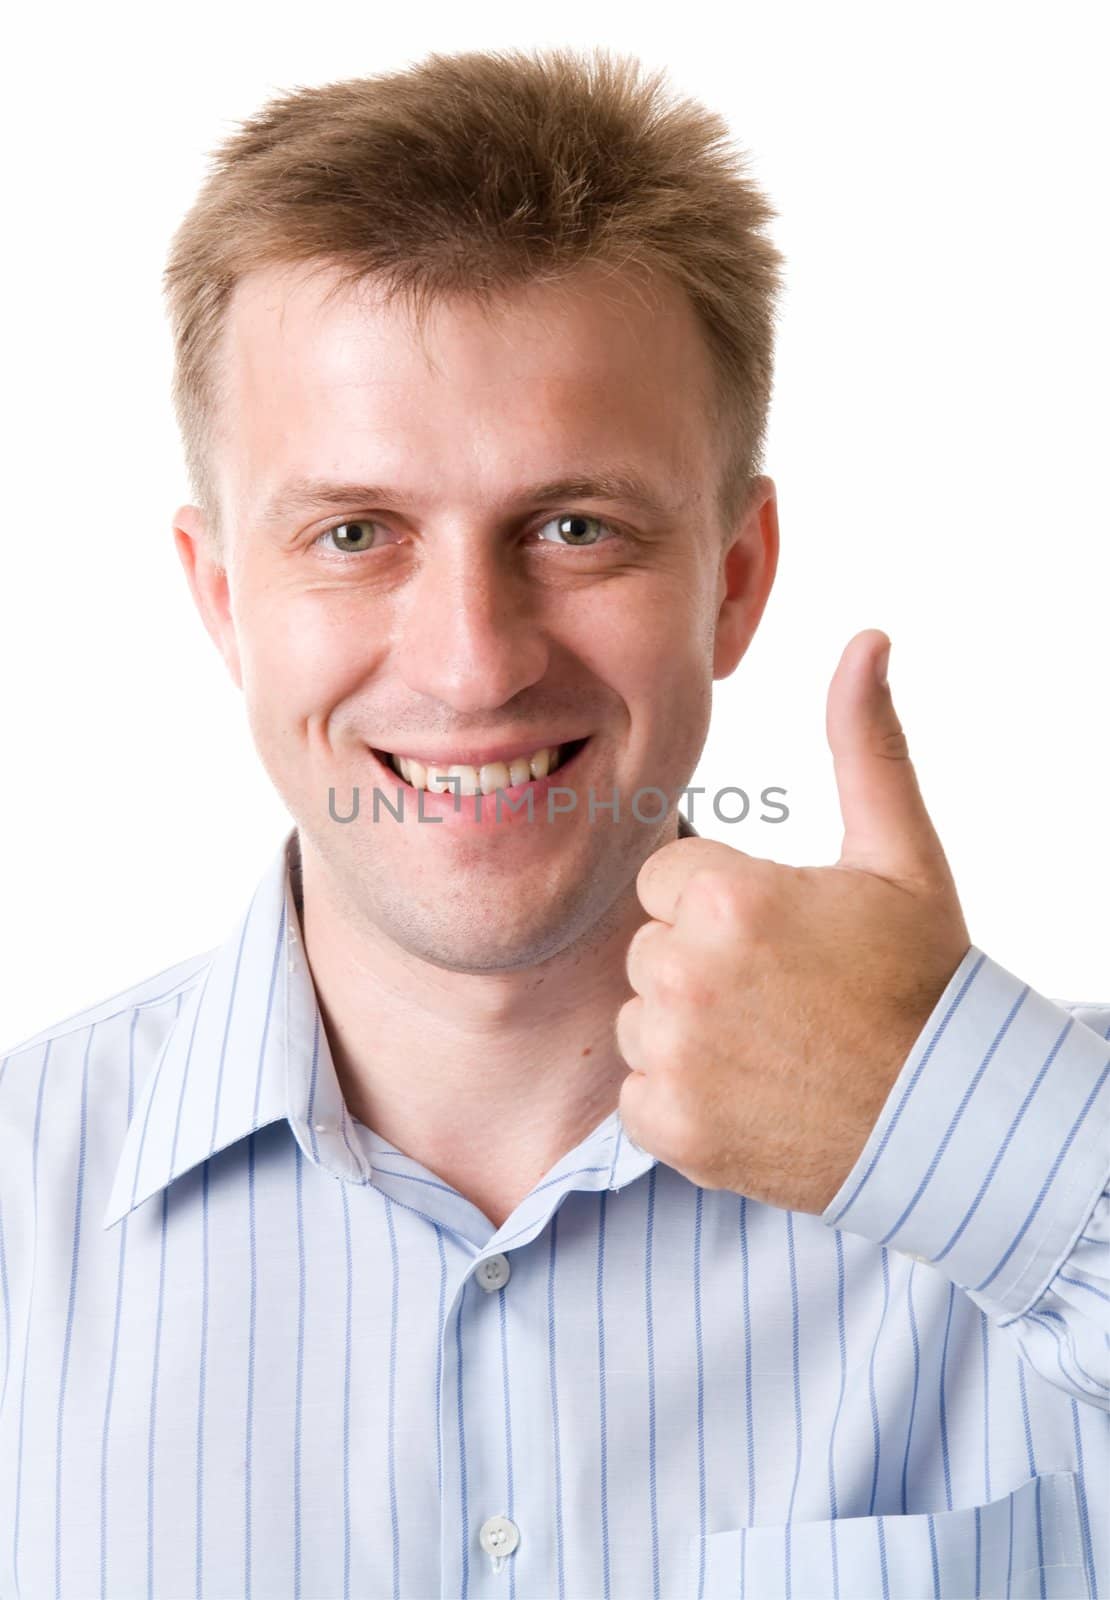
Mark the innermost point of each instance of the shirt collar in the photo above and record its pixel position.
(245, 1049)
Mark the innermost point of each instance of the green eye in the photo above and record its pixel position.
(574, 527)
(344, 541)
(355, 535)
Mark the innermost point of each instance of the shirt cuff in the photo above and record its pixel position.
(993, 1145)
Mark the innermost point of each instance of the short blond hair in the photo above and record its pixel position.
(469, 174)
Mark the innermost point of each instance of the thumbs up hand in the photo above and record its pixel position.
(774, 1006)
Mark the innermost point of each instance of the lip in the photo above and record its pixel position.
(481, 811)
(486, 755)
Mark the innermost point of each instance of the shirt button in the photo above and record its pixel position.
(498, 1537)
(494, 1272)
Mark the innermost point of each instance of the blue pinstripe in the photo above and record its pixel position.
(916, 1384)
(248, 1450)
(603, 1437)
(247, 1391)
(649, 1338)
(699, 1358)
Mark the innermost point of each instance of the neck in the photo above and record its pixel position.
(486, 1079)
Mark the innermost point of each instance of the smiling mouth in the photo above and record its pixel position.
(507, 775)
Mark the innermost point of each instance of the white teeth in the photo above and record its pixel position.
(494, 776)
(442, 779)
(483, 780)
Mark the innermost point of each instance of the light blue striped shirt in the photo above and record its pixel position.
(249, 1348)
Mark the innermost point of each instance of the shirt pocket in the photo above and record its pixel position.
(1028, 1543)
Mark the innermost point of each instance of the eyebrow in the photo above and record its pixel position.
(307, 494)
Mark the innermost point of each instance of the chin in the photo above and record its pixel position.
(465, 955)
(482, 941)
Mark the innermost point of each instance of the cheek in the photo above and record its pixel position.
(670, 631)
(303, 655)
(634, 626)
(664, 677)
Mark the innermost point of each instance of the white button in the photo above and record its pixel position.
(909, 1255)
(321, 1127)
(494, 1273)
(499, 1538)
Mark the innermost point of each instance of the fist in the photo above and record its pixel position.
(774, 1006)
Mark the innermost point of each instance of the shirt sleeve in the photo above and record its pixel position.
(990, 1159)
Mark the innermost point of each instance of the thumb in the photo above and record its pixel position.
(887, 829)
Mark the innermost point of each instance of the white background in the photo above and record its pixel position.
(938, 439)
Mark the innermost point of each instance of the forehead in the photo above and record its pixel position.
(320, 379)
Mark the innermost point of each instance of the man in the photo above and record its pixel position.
(536, 1198)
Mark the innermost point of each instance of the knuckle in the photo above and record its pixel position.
(646, 961)
(675, 978)
(893, 745)
(666, 1042)
(739, 903)
(627, 1022)
(637, 951)
(719, 895)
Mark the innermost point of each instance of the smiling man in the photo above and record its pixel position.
(512, 552)
(529, 1196)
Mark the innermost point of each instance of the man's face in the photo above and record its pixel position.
(448, 610)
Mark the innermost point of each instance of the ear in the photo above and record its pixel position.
(749, 560)
(207, 576)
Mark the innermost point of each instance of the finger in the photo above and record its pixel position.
(663, 875)
(887, 829)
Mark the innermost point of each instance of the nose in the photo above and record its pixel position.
(470, 634)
